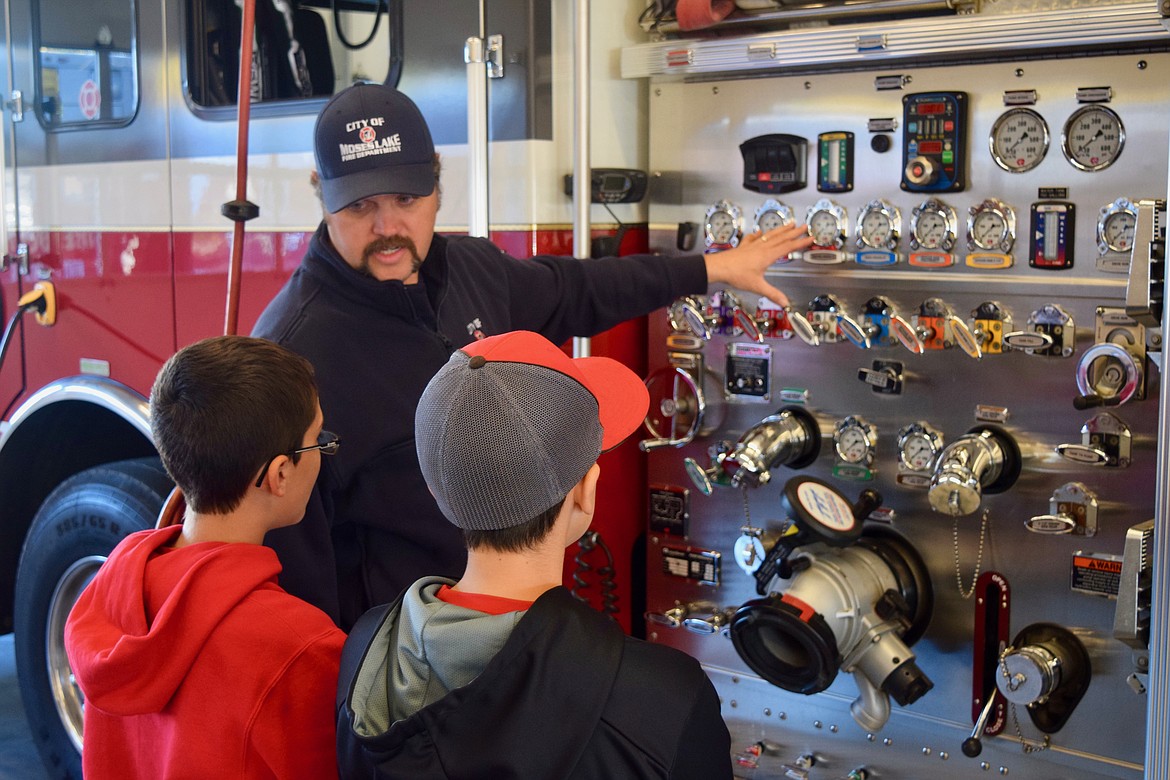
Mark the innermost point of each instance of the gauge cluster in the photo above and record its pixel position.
(995, 198)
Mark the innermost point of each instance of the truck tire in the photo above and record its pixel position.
(70, 537)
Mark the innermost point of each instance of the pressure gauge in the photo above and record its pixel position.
(724, 225)
(1115, 227)
(932, 226)
(879, 226)
(854, 440)
(918, 446)
(991, 227)
(773, 214)
(826, 224)
(1019, 140)
(1093, 138)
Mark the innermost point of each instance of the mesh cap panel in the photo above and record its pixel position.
(502, 442)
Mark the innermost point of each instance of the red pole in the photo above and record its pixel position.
(240, 210)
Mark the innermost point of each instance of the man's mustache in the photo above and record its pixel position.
(389, 244)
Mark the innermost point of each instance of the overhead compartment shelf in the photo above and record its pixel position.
(1080, 27)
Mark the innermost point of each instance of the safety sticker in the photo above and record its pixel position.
(1096, 574)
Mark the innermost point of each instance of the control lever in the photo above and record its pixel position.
(986, 459)
(973, 745)
(1092, 400)
(705, 479)
(679, 407)
(729, 315)
(1147, 264)
(1105, 441)
(1107, 375)
(861, 336)
(686, 315)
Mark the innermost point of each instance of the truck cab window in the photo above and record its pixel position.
(87, 62)
(301, 49)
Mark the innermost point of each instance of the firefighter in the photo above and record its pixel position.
(378, 304)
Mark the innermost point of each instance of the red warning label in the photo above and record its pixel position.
(1097, 575)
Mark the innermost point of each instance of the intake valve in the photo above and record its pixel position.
(1047, 669)
(839, 597)
(984, 460)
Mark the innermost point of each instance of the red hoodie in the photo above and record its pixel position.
(195, 664)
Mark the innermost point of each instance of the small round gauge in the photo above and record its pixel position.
(933, 226)
(1115, 228)
(724, 225)
(991, 227)
(823, 228)
(918, 446)
(1092, 138)
(772, 214)
(1019, 140)
(879, 225)
(826, 224)
(854, 439)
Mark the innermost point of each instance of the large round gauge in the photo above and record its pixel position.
(854, 440)
(1115, 227)
(1019, 140)
(724, 225)
(991, 227)
(932, 226)
(773, 214)
(879, 225)
(826, 224)
(1093, 138)
(918, 446)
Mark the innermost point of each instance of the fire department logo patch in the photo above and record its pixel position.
(367, 135)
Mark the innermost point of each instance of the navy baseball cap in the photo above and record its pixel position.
(371, 139)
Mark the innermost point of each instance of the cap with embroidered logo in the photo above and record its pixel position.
(371, 139)
(511, 423)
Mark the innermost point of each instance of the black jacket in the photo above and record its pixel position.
(569, 697)
(371, 527)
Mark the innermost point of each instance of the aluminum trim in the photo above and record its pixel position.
(106, 393)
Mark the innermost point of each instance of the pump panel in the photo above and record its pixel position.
(954, 398)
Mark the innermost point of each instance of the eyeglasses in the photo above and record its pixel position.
(327, 443)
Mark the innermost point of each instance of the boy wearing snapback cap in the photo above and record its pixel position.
(504, 673)
(379, 303)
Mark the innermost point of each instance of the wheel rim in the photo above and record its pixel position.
(67, 697)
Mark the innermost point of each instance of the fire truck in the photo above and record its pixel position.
(938, 470)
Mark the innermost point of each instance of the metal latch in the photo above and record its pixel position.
(15, 104)
(495, 56)
(21, 258)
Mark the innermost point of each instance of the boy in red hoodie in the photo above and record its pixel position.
(193, 661)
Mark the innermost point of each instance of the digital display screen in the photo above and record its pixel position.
(613, 183)
(930, 147)
(932, 108)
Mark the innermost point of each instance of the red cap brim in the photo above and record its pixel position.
(622, 398)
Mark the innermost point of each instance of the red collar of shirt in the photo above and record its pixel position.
(481, 602)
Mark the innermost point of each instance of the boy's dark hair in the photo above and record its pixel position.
(518, 538)
(220, 408)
